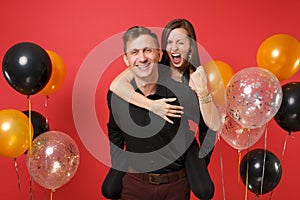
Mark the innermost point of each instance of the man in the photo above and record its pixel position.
(155, 150)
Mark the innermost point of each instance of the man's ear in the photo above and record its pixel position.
(125, 59)
(160, 53)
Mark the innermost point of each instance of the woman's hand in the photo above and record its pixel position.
(161, 108)
(198, 81)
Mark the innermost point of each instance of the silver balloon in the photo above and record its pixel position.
(254, 96)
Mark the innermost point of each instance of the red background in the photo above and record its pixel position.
(230, 31)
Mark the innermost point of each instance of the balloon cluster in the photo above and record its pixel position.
(280, 54)
(254, 96)
(52, 156)
(29, 69)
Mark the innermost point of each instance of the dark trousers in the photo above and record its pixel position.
(135, 188)
(197, 173)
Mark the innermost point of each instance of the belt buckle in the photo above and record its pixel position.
(151, 175)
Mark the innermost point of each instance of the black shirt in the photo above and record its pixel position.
(151, 143)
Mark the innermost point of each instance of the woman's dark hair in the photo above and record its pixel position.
(195, 60)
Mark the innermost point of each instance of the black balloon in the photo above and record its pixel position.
(27, 68)
(288, 115)
(259, 162)
(39, 123)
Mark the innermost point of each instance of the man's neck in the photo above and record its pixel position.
(147, 85)
(148, 89)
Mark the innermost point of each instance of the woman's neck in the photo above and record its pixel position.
(176, 74)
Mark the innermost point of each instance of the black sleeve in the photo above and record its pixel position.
(115, 134)
(207, 137)
(112, 184)
(202, 129)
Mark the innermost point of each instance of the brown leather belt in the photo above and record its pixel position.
(158, 179)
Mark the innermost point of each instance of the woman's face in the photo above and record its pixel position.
(178, 46)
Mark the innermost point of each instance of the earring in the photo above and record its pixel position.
(189, 55)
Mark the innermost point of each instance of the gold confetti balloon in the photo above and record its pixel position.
(53, 160)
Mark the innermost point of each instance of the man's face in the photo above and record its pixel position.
(142, 55)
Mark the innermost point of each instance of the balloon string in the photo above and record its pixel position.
(219, 134)
(247, 169)
(263, 172)
(30, 188)
(265, 140)
(274, 181)
(29, 122)
(246, 192)
(264, 161)
(17, 173)
(239, 164)
(46, 101)
(51, 194)
(222, 174)
(284, 144)
(47, 124)
(271, 195)
(46, 104)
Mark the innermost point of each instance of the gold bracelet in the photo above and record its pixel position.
(206, 99)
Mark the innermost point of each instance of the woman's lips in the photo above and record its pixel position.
(176, 58)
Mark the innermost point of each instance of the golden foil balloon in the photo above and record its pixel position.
(218, 73)
(58, 74)
(53, 160)
(280, 54)
(15, 130)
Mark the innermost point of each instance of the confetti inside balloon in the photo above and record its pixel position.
(54, 159)
(254, 96)
(238, 137)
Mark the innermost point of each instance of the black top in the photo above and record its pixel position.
(152, 144)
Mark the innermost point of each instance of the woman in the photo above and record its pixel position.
(181, 54)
